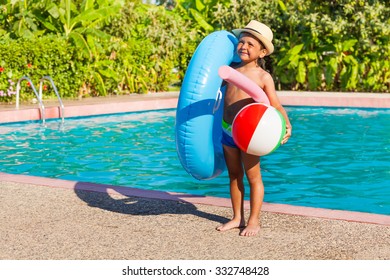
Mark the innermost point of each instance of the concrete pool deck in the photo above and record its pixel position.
(44, 218)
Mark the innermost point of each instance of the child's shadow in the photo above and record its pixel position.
(97, 195)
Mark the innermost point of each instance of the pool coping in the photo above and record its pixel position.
(168, 100)
(136, 103)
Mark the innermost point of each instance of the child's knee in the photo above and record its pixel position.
(254, 178)
(236, 175)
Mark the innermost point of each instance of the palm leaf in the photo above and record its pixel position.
(313, 76)
(109, 73)
(301, 75)
(53, 10)
(81, 43)
(91, 17)
(88, 4)
(199, 5)
(46, 23)
(295, 50)
(330, 71)
(200, 20)
(97, 33)
(282, 6)
(284, 60)
(347, 45)
(100, 83)
(91, 44)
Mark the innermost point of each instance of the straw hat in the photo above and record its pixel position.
(260, 31)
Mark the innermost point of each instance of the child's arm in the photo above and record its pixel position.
(269, 89)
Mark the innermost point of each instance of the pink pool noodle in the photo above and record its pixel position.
(241, 81)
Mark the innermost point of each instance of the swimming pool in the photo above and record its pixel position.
(337, 158)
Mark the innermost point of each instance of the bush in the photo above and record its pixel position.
(36, 58)
(331, 45)
(338, 45)
(156, 47)
(149, 50)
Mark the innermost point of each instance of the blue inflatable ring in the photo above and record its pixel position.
(198, 129)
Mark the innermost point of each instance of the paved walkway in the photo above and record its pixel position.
(40, 222)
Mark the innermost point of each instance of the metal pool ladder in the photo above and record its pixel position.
(62, 108)
(39, 95)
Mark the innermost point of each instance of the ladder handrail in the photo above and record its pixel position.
(41, 106)
(48, 78)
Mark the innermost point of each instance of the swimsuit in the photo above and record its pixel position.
(227, 138)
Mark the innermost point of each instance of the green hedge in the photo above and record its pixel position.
(36, 58)
(148, 51)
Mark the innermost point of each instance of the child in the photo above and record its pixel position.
(255, 42)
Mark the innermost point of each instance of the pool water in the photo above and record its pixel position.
(337, 158)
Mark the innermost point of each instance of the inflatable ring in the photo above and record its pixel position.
(198, 130)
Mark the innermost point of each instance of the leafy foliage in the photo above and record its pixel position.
(330, 45)
(35, 58)
(19, 19)
(80, 24)
(156, 45)
(103, 47)
(200, 12)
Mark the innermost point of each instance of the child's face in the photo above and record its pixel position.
(249, 48)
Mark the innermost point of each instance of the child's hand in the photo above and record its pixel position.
(287, 135)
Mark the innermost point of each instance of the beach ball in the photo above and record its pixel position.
(258, 129)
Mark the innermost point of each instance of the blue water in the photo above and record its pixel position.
(337, 158)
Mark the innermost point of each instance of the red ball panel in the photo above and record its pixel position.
(246, 122)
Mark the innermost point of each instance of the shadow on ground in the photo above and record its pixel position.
(133, 205)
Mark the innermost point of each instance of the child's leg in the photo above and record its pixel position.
(236, 175)
(253, 173)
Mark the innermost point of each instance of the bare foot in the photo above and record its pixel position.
(231, 225)
(250, 230)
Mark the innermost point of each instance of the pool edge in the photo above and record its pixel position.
(350, 216)
(157, 101)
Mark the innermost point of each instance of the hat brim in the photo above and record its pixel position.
(267, 44)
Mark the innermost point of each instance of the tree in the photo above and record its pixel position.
(81, 24)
